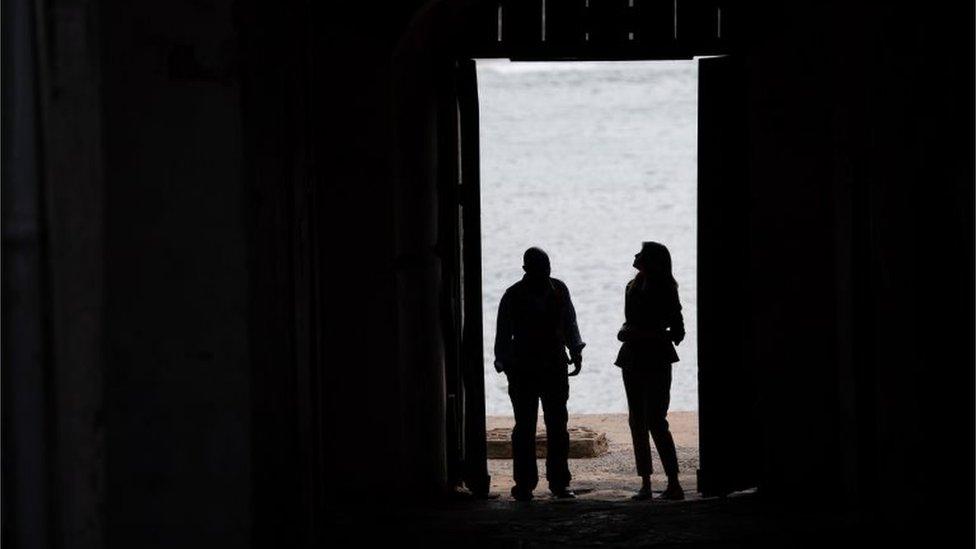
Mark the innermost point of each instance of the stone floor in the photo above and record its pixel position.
(605, 516)
(740, 520)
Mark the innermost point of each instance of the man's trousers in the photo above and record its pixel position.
(526, 389)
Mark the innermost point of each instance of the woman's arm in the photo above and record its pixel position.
(676, 322)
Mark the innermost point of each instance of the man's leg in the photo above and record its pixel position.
(525, 405)
(554, 397)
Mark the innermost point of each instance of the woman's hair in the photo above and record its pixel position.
(655, 253)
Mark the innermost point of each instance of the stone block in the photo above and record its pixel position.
(584, 443)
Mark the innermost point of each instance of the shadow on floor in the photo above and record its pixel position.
(740, 520)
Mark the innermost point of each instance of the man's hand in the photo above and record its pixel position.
(577, 362)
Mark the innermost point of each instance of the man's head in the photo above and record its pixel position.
(535, 263)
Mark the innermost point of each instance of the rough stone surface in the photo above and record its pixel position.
(584, 443)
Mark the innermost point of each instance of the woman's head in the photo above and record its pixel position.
(654, 260)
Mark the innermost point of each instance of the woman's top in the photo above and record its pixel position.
(653, 322)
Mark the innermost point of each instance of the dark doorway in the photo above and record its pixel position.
(728, 439)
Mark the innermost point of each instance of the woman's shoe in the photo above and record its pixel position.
(563, 493)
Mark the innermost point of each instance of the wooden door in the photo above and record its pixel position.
(475, 460)
(728, 430)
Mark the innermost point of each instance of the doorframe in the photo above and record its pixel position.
(474, 451)
(459, 212)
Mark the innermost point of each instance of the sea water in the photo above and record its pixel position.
(586, 160)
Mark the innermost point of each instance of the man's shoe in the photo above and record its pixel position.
(563, 493)
(672, 493)
(520, 494)
(643, 494)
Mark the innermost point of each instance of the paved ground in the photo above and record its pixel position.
(611, 477)
(740, 520)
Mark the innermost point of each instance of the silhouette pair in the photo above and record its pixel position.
(537, 325)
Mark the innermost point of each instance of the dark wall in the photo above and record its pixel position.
(26, 519)
(345, 337)
(862, 192)
(793, 268)
(177, 391)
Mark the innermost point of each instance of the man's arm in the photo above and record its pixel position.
(503, 334)
(571, 329)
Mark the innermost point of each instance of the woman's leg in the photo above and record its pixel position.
(635, 387)
(659, 397)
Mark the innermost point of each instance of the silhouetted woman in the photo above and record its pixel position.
(653, 325)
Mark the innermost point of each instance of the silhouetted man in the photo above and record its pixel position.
(536, 323)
